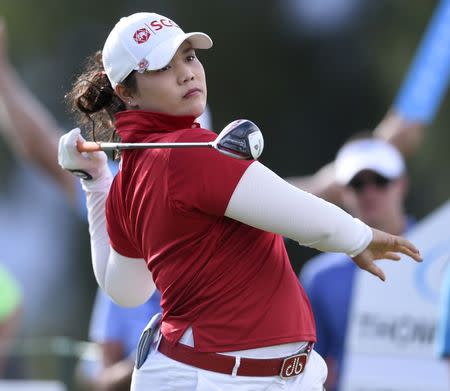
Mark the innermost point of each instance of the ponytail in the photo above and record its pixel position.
(93, 101)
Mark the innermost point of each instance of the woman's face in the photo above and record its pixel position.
(177, 89)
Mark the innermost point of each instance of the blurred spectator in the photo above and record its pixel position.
(42, 266)
(116, 330)
(405, 135)
(374, 181)
(10, 312)
(414, 108)
(26, 124)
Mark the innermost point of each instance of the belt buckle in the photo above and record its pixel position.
(293, 365)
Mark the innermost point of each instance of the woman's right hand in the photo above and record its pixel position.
(385, 246)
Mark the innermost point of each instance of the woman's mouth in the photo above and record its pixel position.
(192, 92)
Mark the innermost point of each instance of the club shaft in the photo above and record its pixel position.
(91, 146)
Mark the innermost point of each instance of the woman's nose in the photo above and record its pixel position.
(186, 75)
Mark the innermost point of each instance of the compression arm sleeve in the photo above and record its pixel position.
(264, 200)
(126, 280)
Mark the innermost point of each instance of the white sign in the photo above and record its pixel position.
(390, 343)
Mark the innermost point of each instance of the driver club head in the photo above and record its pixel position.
(240, 139)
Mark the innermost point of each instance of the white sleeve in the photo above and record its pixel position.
(264, 200)
(126, 280)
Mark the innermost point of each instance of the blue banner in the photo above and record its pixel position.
(423, 89)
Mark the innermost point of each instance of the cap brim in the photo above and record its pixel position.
(162, 54)
(345, 176)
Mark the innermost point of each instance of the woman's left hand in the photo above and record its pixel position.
(385, 246)
(94, 164)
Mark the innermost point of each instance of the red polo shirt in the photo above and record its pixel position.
(232, 283)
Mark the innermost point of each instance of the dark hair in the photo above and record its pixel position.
(93, 101)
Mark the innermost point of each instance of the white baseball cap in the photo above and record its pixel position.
(368, 154)
(145, 41)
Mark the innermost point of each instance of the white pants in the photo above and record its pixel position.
(160, 373)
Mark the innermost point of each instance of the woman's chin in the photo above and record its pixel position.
(196, 108)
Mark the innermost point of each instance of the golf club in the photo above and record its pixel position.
(241, 139)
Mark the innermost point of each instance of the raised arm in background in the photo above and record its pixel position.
(414, 108)
(26, 124)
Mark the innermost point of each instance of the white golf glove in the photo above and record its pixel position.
(91, 167)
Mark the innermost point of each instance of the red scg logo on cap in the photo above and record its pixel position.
(142, 35)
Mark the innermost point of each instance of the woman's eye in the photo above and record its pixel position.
(166, 68)
(190, 58)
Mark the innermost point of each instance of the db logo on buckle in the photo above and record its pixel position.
(293, 366)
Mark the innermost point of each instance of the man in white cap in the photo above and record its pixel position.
(372, 173)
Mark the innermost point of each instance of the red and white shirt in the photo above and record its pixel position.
(232, 283)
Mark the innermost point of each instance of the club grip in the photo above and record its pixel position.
(88, 146)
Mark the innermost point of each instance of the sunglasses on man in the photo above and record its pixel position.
(359, 182)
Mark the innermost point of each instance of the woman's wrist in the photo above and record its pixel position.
(100, 183)
(365, 237)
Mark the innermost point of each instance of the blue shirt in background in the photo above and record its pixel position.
(113, 323)
(328, 282)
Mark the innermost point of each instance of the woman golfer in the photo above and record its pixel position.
(204, 228)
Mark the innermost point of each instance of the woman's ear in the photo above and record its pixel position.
(125, 94)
